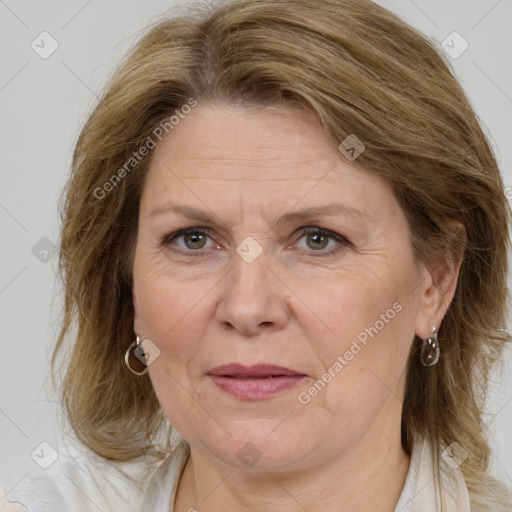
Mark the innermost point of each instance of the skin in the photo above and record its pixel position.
(293, 306)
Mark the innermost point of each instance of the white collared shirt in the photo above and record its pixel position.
(82, 482)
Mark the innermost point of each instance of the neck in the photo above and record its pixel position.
(368, 476)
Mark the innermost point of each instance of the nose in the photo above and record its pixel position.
(253, 300)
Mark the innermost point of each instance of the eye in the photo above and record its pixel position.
(192, 239)
(318, 240)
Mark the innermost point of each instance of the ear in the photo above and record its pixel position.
(439, 283)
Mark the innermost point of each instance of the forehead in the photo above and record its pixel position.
(279, 151)
(230, 140)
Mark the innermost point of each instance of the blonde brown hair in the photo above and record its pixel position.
(361, 71)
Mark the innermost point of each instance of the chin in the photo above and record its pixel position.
(260, 446)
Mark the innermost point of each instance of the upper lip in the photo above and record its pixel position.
(258, 370)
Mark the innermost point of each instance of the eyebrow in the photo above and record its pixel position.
(333, 209)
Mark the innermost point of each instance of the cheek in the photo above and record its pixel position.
(363, 337)
(164, 312)
(164, 302)
(168, 313)
(345, 305)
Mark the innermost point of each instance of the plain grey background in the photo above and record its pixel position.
(45, 101)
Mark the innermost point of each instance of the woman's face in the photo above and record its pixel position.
(248, 286)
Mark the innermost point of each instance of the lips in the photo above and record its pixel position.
(259, 382)
(259, 371)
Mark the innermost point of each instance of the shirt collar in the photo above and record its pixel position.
(421, 492)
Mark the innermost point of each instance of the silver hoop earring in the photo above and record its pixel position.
(135, 359)
(430, 350)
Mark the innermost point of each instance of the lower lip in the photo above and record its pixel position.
(256, 389)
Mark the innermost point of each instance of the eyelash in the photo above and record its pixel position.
(343, 242)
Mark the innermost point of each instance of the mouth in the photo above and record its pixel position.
(260, 371)
(256, 382)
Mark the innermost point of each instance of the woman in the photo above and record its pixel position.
(293, 233)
